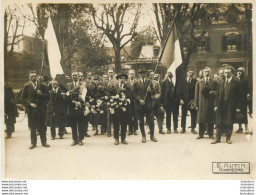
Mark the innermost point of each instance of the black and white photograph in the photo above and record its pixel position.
(127, 90)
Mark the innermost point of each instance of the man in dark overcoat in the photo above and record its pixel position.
(244, 92)
(10, 110)
(34, 98)
(188, 95)
(205, 93)
(227, 104)
(144, 94)
(170, 102)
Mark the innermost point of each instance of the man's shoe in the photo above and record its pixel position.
(247, 131)
(8, 137)
(199, 137)
(130, 133)
(153, 139)
(87, 135)
(215, 141)
(124, 141)
(176, 131)
(74, 143)
(212, 137)
(45, 145)
(161, 132)
(193, 131)
(32, 146)
(97, 132)
(116, 142)
(80, 143)
(109, 134)
(229, 141)
(183, 130)
(61, 136)
(143, 140)
(240, 130)
(53, 138)
(135, 132)
(168, 131)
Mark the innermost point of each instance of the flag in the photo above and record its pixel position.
(171, 53)
(54, 55)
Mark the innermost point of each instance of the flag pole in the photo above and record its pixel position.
(161, 52)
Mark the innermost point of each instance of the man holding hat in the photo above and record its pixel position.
(144, 95)
(205, 93)
(187, 96)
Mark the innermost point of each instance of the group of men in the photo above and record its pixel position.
(211, 102)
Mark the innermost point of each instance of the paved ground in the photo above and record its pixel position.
(174, 156)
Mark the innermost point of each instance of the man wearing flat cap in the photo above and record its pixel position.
(188, 95)
(205, 93)
(144, 94)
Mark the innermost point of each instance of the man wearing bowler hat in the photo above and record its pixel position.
(144, 95)
(120, 116)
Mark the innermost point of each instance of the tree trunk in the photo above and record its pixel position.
(117, 58)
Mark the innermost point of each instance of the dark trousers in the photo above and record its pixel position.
(76, 123)
(204, 126)
(120, 119)
(169, 111)
(9, 127)
(53, 128)
(133, 120)
(37, 124)
(184, 116)
(228, 129)
(150, 119)
(159, 113)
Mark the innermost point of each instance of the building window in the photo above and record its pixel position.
(232, 41)
(156, 51)
(203, 43)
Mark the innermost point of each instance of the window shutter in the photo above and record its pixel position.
(224, 43)
(208, 44)
(239, 41)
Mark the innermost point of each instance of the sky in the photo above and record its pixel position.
(146, 19)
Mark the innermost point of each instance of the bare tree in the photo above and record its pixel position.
(111, 19)
(14, 24)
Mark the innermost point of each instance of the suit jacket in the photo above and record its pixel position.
(166, 86)
(204, 103)
(139, 91)
(56, 108)
(225, 113)
(29, 95)
(188, 91)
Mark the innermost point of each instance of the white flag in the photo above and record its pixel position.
(53, 50)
